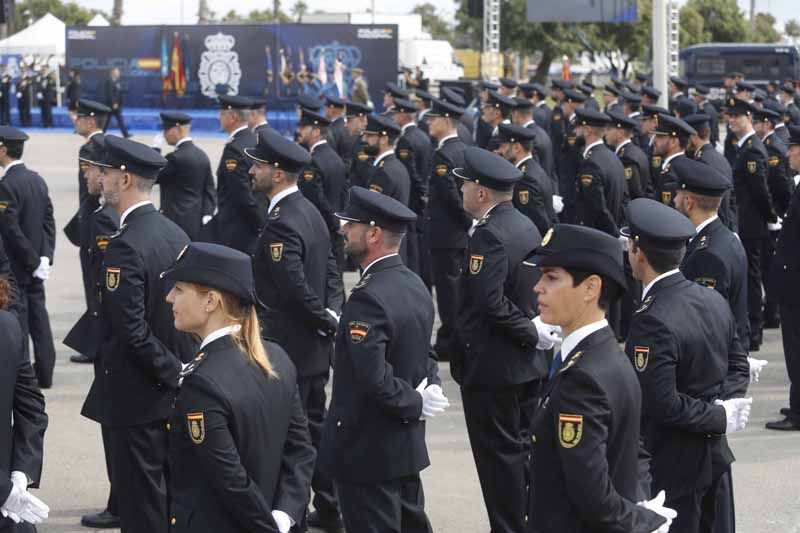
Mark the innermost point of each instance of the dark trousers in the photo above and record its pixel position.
(446, 274)
(396, 506)
(36, 323)
(47, 115)
(412, 249)
(5, 113)
(754, 248)
(690, 509)
(719, 514)
(25, 114)
(790, 330)
(117, 113)
(111, 506)
(425, 266)
(312, 394)
(138, 456)
(770, 307)
(498, 425)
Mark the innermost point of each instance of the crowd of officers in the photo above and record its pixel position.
(33, 86)
(213, 322)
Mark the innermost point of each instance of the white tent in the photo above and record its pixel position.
(99, 20)
(43, 37)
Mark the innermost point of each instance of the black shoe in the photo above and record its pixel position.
(101, 520)
(786, 411)
(330, 524)
(787, 424)
(80, 358)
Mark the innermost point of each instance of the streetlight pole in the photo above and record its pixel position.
(660, 49)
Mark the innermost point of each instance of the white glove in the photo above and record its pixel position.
(775, 226)
(39, 96)
(623, 240)
(796, 180)
(657, 506)
(558, 204)
(19, 95)
(756, 366)
(12, 516)
(206, 219)
(43, 270)
(19, 479)
(35, 510)
(333, 314)
(737, 412)
(434, 402)
(283, 521)
(548, 334)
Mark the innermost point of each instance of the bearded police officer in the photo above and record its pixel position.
(386, 381)
(141, 350)
(585, 472)
(297, 279)
(671, 138)
(187, 190)
(693, 373)
(570, 150)
(497, 363)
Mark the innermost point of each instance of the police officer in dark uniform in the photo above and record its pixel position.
(585, 433)
(570, 151)
(588, 90)
(423, 100)
(533, 193)
(258, 114)
(701, 93)
(693, 373)
(240, 455)
(611, 99)
(359, 164)
(602, 191)
(497, 364)
(451, 96)
(240, 214)
(298, 281)
(188, 197)
(619, 136)
(390, 176)
(522, 114)
(112, 90)
(785, 274)
(335, 112)
(679, 87)
(754, 204)
(482, 131)
(558, 120)
(24, 97)
(5, 98)
(787, 93)
(385, 379)
(141, 349)
(446, 222)
(702, 150)
(780, 126)
(28, 229)
(537, 94)
(46, 94)
(390, 92)
(671, 138)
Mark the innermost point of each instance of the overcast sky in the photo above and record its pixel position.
(169, 11)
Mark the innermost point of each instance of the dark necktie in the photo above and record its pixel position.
(555, 365)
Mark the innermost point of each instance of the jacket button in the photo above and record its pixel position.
(533, 438)
(467, 345)
(106, 372)
(173, 521)
(168, 426)
(94, 313)
(338, 423)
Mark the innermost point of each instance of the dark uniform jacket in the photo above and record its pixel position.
(730, 148)
(568, 162)
(141, 348)
(415, 151)
(239, 445)
(73, 94)
(14, 304)
(373, 430)
(543, 149)
(112, 92)
(784, 271)
(713, 123)
(22, 440)
(93, 151)
(26, 221)
(542, 114)
(794, 113)
(683, 345)
(558, 124)
(779, 183)
(187, 188)
(391, 178)
(753, 200)
(240, 214)
(665, 182)
(47, 88)
(360, 170)
(716, 259)
(445, 220)
(637, 171)
(336, 136)
(585, 435)
(333, 176)
(296, 278)
(497, 304)
(482, 133)
(601, 191)
(728, 211)
(533, 195)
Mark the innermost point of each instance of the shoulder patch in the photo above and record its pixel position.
(702, 243)
(666, 197)
(231, 164)
(524, 196)
(403, 154)
(752, 166)
(641, 354)
(3, 207)
(656, 161)
(308, 175)
(571, 140)
(475, 264)
(197, 427)
(84, 166)
(101, 241)
(276, 251)
(774, 161)
(362, 156)
(711, 283)
(113, 277)
(275, 214)
(621, 152)
(556, 117)
(376, 188)
(570, 430)
(358, 330)
(628, 173)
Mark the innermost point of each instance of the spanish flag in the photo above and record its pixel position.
(178, 74)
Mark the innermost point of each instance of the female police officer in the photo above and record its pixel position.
(240, 455)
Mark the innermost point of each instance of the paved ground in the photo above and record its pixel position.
(74, 482)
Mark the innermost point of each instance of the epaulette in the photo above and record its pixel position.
(275, 214)
(646, 303)
(571, 362)
(362, 282)
(193, 365)
(119, 232)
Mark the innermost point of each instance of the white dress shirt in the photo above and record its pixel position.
(574, 338)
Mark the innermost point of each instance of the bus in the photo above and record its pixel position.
(760, 63)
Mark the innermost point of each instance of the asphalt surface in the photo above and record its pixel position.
(74, 480)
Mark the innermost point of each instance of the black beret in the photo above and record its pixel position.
(354, 109)
(590, 117)
(234, 102)
(170, 119)
(309, 118)
(673, 127)
(274, 149)
(12, 134)
(488, 169)
(217, 267)
(376, 209)
(581, 248)
(306, 101)
(90, 108)
(513, 133)
(380, 125)
(133, 157)
(655, 224)
(697, 177)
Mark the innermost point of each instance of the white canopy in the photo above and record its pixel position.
(43, 37)
(99, 20)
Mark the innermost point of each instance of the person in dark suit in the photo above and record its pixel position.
(611, 99)
(588, 90)
(335, 113)
(73, 91)
(755, 205)
(385, 378)
(602, 189)
(619, 136)
(46, 96)
(258, 114)
(240, 455)
(112, 92)
(522, 114)
(240, 214)
(533, 193)
(536, 93)
(29, 233)
(423, 100)
(451, 96)
(702, 150)
(141, 349)
(558, 120)
(700, 93)
(786, 94)
(670, 140)
(585, 475)
(390, 92)
(569, 152)
(6, 272)
(22, 436)
(5, 96)
(24, 96)
(188, 196)
(359, 165)
(692, 369)
(785, 277)
(497, 364)
(351, 136)
(298, 281)
(446, 222)
(495, 111)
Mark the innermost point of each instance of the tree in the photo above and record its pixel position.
(255, 17)
(432, 22)
(723, 21)
(692, 27)
(792, 29)
(116, 13)
(623, 43)
(765, 31)
(29, 11)
(299, 9)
